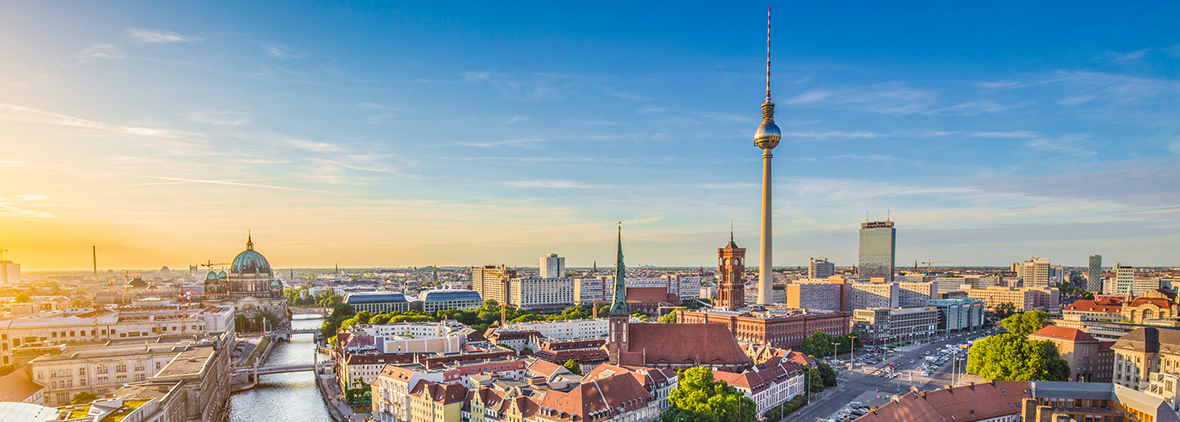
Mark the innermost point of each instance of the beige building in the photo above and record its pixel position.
(822, 294)
(491, 281)
(1144, 351)
(103, 367)
(912, 294)
(1089, 360)
(64, 327)
(1024, 298)
(874, 294)
(899, 325)
(1035, 272)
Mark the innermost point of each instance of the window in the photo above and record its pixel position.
(82, 371)
(121, 368)
(82, 382)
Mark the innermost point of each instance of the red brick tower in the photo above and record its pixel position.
(731, 285)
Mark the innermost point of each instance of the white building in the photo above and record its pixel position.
(768, 384)
(564, 330)
(9, 272)
(541, 294)
(872, 295)
(1124, 279)
(407, 337)
(684, 287)
(820, 268)
(552, 266)
(589, 290)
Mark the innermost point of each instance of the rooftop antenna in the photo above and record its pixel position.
(730, 230)
(2, 251)
(94, 256)
(887, 216)
(768, 53)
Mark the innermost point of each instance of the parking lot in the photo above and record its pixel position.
(878, 373)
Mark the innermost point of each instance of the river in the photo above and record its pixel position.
(284, 397)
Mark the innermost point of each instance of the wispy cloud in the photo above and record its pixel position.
(530, 87)
(554, 184)
(101, 51)
(155, 37)
(1071, 143)
(1073, 101)
(313, 146)
(520, 143)
(892, 98)
(10, 208)
(1125, 57)
(220, 118)
(29, 115)
(181, 181)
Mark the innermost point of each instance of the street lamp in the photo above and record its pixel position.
(852, 347)
(834, 344)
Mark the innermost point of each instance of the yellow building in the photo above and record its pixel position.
(434, 402)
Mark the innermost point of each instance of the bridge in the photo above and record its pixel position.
(311, 311)
(278, 369)
(299, 331)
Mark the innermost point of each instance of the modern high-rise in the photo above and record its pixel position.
(552, 266)
(1094, 275)
(878, 242)
(1035, 272)
(492, 281)
(1124, 278)
(820, 268)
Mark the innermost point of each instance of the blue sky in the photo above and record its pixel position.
(478, 133)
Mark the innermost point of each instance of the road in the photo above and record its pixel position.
(863, 387)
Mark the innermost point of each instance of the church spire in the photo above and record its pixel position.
(619, 304)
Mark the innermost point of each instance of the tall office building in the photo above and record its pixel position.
(1124, 279)
(878, 242)
(1094, 275)
(552, 266)
(1035, 272)
(820, 268)
(9, 272)
(492, 282)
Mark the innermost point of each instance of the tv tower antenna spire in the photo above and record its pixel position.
(768, 53)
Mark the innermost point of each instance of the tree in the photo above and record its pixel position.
(815, 380)
(1013, 357)
(573, 367)
(700, 398)
(1005, 310)
(826, 374)
(670, 318)
(818, 344)
(23, 297)
(1086, 295)
(78, 303)
(83, 398)
(1025, 323)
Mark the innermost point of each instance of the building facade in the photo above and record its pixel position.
(1035, 272)
(959, 314)
(873, 295)
(1089, 360)
(1024, 298)
(378, 302)
(541, 294)
(731, 282)
(821, 294)
(1094, 274)
(912, 294)
(820, 268)
(440, 300)
(492, 281)
(878, 243)
(552, 266)
(899, 325)
(1124, 279)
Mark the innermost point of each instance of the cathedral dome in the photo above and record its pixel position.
(212, 276)
(250, 261)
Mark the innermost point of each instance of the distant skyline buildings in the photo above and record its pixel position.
(552, 266)
(1094, 274)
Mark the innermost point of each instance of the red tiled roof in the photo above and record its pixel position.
(711, 344)
(799, 358)
(544, 368)
(647, 294)
(444, 393)
(18, 385)
(960, 404)
(1064, 333)
(1157, 301)
(764, 375)
(1101, 305)
(601, 396)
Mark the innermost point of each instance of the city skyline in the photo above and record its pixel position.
(480, 135)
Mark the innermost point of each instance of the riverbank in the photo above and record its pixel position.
(293, 396)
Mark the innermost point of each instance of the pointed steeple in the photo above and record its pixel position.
(249, 241)
(619, 304)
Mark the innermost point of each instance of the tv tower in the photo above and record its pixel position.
(766, 138)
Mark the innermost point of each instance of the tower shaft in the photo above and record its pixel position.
(765, 264)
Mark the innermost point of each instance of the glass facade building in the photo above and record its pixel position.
(878, 241)
(1094, 276)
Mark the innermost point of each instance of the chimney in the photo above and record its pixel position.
(873, 409)
(923, 394)
(914, 389)
(971, 385)
(948, 388)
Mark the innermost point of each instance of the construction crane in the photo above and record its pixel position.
(210, 264)
(929, 263)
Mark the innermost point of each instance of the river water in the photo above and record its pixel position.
(284, 397)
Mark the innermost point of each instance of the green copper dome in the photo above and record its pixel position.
(250, 262)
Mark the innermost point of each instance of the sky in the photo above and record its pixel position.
(452, 133)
